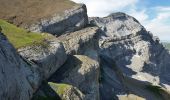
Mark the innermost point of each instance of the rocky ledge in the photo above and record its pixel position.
(71, 20)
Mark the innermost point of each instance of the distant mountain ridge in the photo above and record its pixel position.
(167, 45)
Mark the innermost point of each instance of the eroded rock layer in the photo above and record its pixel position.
(71, 20)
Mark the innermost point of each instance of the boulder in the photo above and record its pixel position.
(81, 42)
(49, 56)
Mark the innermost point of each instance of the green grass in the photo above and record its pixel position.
(51, 91)
(20, 37)
(59, 88)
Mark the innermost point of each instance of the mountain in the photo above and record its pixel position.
(62, 54)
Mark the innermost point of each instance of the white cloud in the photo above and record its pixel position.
(102, 8)
(141, 16)
(159, 25)
(162, 8)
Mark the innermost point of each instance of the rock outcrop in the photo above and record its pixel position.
(81, 72)
(81, 42)
(47, 56)
(136, 52)
(72, 20)
(67, 92)
(22, 75)
(118, 86)
(18, 78)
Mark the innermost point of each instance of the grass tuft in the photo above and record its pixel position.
(20, 37)
(59, 88)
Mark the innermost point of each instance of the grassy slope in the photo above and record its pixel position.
(26, 12)
(20, 37)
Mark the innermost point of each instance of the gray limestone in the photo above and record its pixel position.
(72, 20)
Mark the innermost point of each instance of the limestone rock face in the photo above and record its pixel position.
(117, 25)
(81, 42)
(136, 52)
(18, 78)
(49, 56)
(118, 86)
(81, 72)
(73, 19)
(73, 93)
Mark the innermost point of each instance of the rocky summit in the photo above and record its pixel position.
(66, 55)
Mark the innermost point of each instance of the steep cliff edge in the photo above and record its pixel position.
(18, 79)
(22, 75)
(71, 20)
(46, 56)
(42, 49)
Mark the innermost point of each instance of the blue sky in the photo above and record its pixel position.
(154, 15)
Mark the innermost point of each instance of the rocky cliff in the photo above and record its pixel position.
(108, 58)
(69, 21)
(136, 52)
(46, 55)
(19, 79)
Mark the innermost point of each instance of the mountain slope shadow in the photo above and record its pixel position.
(45, 92)
(81, 72)
(115, 85)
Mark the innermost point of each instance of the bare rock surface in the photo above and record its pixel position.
(136, 52)
(82, 72)
(49, 56)
(72, 20)
(81, 42)
(118, 86)
(19, 79)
